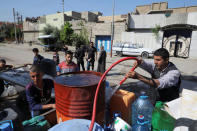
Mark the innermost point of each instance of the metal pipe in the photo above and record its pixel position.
(112, 31)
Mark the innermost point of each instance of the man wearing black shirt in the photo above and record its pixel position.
(79, 54)
(90, 56)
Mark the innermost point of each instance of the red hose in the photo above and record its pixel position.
(97, 90)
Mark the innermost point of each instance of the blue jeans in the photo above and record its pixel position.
(90, 63)
(35, 113)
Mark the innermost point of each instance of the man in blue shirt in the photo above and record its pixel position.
(166, 78)
(38, 92)
(37, 58)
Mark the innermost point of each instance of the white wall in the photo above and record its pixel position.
(192, 18)
(147, 39)
(149, 21)
(55, 20)
(193, 46)
(146, 21)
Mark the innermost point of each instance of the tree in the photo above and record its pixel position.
(156, 30)
(77, 39)
(7, 31)
(54, 32)
(66, 34)
(83, 32)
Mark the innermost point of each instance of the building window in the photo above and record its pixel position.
(55, 19)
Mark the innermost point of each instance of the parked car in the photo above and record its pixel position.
(132, 50)
(52, 47)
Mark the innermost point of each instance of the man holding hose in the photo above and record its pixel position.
(166, 78)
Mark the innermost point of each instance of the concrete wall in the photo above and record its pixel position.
(144, 37)
(42, 20)
(159, 6)
(192, 18)
(100, 29)
(144, 9)
(105, 29)
(192, 9)
(185, 9)
(154, 6)
(29, 26)
(149, 21)
(73, 14)
(31, 36)
(89, 16)
(109, 18)
(193, 46)
(30, 31)
(179, 18)
(55, 20)
(146, 21)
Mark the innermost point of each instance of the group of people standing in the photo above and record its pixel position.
(38, 91)
(90, 55)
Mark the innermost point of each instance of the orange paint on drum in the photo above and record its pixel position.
(74, 95)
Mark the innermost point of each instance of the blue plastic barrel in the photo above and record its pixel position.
(6, 127)
(76, 125)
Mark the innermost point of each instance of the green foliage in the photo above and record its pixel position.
(66, 34)
(54, 32)
(83, 32)
(78, 40)
(7, 31)
(156, 30)
(48, 30)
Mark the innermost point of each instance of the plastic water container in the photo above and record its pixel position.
(143, 107)
(141, 124)
(76, 125)
(6, 126)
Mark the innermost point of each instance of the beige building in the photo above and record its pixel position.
(177, 32)
(57, 19)
(30, 31)
(161, 7)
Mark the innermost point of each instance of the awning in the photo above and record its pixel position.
(45, 36)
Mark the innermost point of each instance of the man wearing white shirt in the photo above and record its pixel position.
(166, 78)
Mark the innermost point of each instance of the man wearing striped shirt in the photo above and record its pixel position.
(166, 78)
(68, 65)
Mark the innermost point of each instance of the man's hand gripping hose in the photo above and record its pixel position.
(114, 90)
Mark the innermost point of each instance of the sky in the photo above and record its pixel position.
(34, 8)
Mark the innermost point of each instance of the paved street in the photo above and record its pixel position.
(22, 53)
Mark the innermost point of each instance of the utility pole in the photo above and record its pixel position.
(21, 19)
(19, 25)
(112, 28)
(22, 29)
(15, 27)
(63, 10)
(17, 17)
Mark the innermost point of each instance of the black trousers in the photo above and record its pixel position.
(1, 86)
(80, 62)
